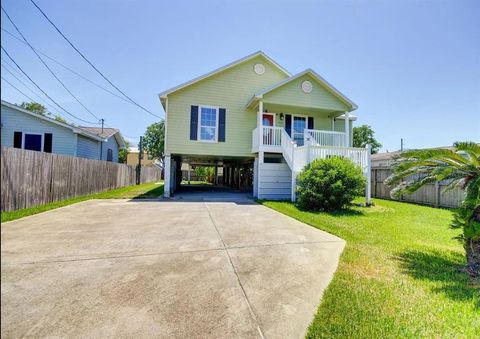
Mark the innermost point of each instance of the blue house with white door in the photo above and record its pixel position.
(21, 128)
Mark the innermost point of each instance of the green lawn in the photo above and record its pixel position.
(398, 275)
(142, 191)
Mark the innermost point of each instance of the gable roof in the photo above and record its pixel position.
(105, 133)
(74, 129)
(163, 95)
(343, 98)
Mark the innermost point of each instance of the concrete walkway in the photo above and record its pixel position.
(184, 269)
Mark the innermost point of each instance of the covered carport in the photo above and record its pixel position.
(230, 175)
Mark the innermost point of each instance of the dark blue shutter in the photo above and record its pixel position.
(47, 142)
(193, 122)
(288, 124)
(17, 139)
(310, 122)
(221, 124)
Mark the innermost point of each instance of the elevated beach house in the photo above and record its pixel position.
(259, 124)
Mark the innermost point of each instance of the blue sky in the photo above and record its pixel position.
(413, 67)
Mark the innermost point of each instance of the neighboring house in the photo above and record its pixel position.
(112, 143)
(253, 118)
(383, 159)
(21, 128)
(132, 157)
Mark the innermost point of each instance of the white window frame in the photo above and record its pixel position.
(42, 136)
(199, 126)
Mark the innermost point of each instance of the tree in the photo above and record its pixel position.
(35, 107)
(363, 135)
(154, 140)
(122, 153)
(205, 173)
(60, 119)
(461, 167)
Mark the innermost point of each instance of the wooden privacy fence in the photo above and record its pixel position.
(431, 194)
(30, 178)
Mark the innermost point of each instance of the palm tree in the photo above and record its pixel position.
(460, 166)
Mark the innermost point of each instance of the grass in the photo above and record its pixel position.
(399, 275)
(142, 191)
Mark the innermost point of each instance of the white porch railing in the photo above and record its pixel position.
(326, 138)
(359, 156)
(297, 157)
(272, 136)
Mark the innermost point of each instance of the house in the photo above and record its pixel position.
(132, 157)
(111, 144)
(21, 128)
(259, 123)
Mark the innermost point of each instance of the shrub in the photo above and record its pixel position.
(329, 184)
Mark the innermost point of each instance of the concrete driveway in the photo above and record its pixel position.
(185, 269)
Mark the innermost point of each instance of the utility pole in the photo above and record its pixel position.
(101, 142)
(401, 144)
(140, 154)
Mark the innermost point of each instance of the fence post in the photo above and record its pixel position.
(437, 194)
(139, 166)
(368, 191)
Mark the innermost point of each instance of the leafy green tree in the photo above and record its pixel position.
(364, 135)
(154, 140)
(205, 173)
(60, 119)
(122, 153)
(329, 184)
(461, 167)
(35, 107)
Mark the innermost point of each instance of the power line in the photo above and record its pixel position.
(89, 62)
(31, 90)
(68, 68)
(45, 64)
(8, 82)
(41, 90)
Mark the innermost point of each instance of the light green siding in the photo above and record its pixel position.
(291, 94)
(231, 89)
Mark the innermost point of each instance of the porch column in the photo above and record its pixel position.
(347, 129)
(167, 167)
(259, 122)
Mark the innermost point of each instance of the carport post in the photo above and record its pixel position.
(167, 179)
(216, 175)
(189, 169)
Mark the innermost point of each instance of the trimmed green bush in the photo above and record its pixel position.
(329, 184)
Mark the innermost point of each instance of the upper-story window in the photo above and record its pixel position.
(208, 123)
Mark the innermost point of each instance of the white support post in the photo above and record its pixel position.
(294, 176)
(259, 122)
(347, 129)
(255, 177)
(167, 177)
(368, 190)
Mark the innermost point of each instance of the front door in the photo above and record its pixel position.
(299, 125)
(267, 120)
